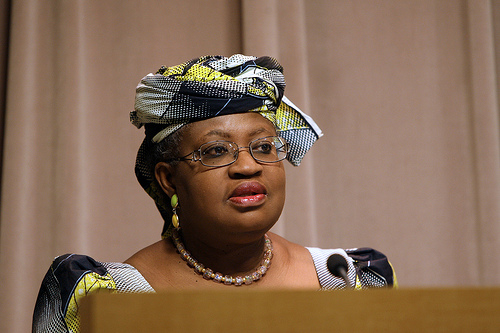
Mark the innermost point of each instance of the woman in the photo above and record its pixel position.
(217, 132)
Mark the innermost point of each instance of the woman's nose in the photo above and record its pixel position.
(245, 165)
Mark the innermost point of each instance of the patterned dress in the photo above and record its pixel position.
(71, 277)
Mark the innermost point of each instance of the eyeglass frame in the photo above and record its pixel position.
(195, 158)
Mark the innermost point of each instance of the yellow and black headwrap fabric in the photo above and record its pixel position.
(213, 86)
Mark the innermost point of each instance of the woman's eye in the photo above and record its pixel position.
(263, 147)
(215, 151)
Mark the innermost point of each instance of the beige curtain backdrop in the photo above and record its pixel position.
(405, 91)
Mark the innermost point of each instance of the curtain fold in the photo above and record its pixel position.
(4, 40)
(486, 140)
(405, 92)
(26, 182)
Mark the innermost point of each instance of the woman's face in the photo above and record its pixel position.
(243, 199)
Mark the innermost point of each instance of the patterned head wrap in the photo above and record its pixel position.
(213, 86)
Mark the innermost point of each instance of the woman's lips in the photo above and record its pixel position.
(248, 194)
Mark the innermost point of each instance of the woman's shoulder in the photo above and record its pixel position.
(73, 276)
(72, 265)
(367, 268)
(376, 263)
(70, 269)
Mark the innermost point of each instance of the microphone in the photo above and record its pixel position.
(337, 265)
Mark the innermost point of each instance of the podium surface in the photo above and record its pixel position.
(384, 310)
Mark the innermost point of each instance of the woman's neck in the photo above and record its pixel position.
(225, 258)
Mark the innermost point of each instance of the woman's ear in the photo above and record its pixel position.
(164, 176)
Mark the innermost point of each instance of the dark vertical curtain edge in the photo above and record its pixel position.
(496, 42)
(5, 6)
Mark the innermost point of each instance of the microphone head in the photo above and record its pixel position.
(337, 264)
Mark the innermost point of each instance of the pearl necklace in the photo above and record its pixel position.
(209, 274)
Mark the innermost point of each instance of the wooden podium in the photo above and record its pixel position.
(412, 310)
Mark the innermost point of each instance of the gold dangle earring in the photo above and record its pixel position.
(174, 202)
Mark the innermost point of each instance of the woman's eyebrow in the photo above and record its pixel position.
(224, 134)
(258, 131)
(217, 132)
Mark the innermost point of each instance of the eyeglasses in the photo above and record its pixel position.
(270, 149)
